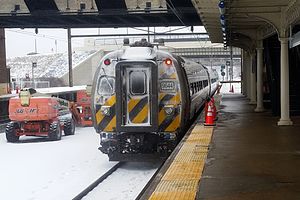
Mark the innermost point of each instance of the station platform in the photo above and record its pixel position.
(245, 156)
(250, 156)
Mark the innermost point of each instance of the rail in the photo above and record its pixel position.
(98, 181)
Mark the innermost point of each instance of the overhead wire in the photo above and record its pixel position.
(175, 29)
(173, 9)
(40, 35)
(37, 35)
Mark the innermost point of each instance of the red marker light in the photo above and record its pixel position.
(107, 62)
(168, 61)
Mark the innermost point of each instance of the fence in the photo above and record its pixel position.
(35, 84)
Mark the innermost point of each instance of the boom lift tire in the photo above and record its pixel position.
(69, 127)
(10, 132)
(54, 131)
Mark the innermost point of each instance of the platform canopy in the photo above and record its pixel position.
(247, 20)
(96, 13)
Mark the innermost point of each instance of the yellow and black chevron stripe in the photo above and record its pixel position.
(164, 75)
(107, 123)
(138, 113)
(169, 123)
(138, 110)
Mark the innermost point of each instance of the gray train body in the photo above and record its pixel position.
(143, 100)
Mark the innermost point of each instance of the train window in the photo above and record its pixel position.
(205, 83)
(138, 83)
(106, 85)
(192, 88)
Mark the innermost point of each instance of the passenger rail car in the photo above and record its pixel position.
(143, 99)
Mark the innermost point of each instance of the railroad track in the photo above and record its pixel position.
(98, 181)
(130, 178)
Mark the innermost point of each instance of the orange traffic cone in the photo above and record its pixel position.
(209, 118)
(213, 108)
(211, 102)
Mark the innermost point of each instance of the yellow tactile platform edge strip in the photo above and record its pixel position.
(183, 176)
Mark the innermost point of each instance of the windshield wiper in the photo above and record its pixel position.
(110, 85)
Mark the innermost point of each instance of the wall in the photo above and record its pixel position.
(83, 73)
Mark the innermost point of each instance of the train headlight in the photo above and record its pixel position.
(168, 62)
(107, 62)
(105, 110)
(169, 109)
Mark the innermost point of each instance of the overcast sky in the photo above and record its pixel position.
(20, 42)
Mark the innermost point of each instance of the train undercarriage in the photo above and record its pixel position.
(137, 146)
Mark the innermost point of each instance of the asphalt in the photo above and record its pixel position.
(250, 157)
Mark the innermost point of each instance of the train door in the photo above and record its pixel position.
(136, 91)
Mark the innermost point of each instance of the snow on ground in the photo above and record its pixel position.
(126, 183)
(35, 169)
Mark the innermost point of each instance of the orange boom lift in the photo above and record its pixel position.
(82, 109)
(34, 115)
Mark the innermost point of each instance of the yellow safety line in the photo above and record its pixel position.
(183, 176)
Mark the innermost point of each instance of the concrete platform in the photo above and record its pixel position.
(250, 156)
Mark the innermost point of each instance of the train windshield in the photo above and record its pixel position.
(106, 85)
(138, 85)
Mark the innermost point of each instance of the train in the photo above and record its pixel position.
(143, 99)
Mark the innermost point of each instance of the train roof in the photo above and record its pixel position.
(139, 53)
